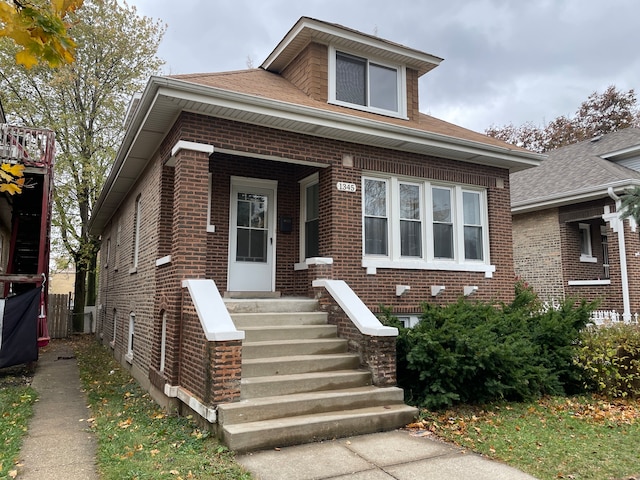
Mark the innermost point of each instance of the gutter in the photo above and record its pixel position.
(567, 198)
(618, 224)
(173, 88)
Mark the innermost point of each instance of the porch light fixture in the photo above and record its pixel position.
(470, 290)
(402, 289)
(437, 290)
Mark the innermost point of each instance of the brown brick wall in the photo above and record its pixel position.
(340, 217)
(310, 71)
(537, 255)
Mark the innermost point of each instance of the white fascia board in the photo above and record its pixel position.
(343, 34)
(340, 121)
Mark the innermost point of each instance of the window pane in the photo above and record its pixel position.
(473, 243)
(375, 235)
(383, 87)
(441, 205)
(312, 202)
(375, 198)
(471, 207)
(409, 202)
(351, 79)
(442, 240)
(410, 238)
(311, 239)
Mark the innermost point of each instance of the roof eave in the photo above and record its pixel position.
(308, 29)
(573, 197)
(180, 95)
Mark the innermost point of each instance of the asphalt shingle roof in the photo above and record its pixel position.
(576, 167)
(261, 83)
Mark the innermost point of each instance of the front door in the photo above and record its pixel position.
(251, 235)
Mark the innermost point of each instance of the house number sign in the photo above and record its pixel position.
(346, 187)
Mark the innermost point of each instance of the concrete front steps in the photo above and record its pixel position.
(299, 383)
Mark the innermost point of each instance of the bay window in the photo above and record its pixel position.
(418, 224)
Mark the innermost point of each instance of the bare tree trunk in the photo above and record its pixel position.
(91, 279)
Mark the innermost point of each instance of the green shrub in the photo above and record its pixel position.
(479, 352)
(610, 358)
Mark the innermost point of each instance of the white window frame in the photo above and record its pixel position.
(108, 253)
(304, 184)
(395, 260)
(130, 336)
(401, 84)
(586, 254)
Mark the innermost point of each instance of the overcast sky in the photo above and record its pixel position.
(505, 61)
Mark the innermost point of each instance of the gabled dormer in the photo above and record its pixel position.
(341, 66)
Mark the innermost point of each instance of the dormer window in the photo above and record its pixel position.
(367, 84)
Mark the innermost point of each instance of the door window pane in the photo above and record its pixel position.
(251, 231)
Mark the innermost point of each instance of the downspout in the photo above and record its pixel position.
(626, 314)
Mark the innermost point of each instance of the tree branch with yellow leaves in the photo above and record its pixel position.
(40, 28)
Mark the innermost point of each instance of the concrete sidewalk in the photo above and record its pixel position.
(59, 444)
(396, 455)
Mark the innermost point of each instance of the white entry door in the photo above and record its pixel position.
(252, 235)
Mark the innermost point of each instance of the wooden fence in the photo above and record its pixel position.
(59, 316)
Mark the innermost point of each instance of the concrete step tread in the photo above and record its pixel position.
(317, 418)
(259, 328)
(298, 358)
(322, 395)
(334, 374)
(295, 341)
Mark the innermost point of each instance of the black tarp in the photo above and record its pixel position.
(19, 333)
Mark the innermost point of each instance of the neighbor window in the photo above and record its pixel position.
(163, 341)
(586, 253)
(367, 84)
(132, 327)
(413, 223)
(115, 324)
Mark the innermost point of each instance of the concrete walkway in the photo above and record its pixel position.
(397, 455)
(59, 444)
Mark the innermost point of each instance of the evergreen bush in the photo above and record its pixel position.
(479, 352)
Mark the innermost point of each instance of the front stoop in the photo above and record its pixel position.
(299, 382)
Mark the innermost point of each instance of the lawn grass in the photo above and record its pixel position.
(16, 407)
(136, 438)
(574, 438)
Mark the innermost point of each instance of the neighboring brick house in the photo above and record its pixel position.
(313, 176)
(568, 239)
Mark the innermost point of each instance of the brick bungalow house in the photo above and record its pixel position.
(254, 220)
(568, 238)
